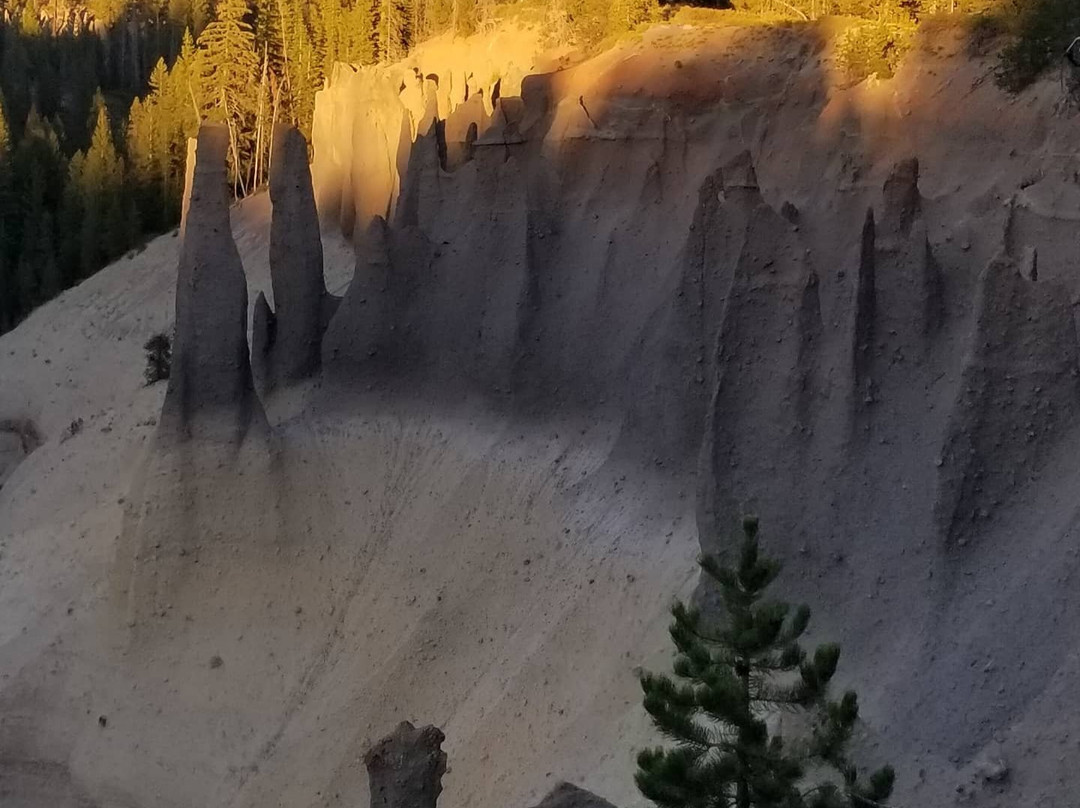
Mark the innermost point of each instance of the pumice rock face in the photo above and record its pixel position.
(210, 395)
(290, 351)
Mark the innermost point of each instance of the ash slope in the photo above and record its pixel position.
(611, 309)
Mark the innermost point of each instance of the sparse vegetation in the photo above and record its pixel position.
(874, 47)
(731, 677)
(1041, 30)
(158, 358)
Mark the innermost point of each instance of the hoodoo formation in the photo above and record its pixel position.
(529, 335)
(287, 342)
(210, 395)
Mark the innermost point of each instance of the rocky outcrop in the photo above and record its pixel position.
(367, 118)
(900, 292)
(902, 202)
(865, 314)
(211, 395)
(461, 131)
(567, 795)
(18, 438)
(405, 768)
(263, 328)
(287, 341)
(764, 350)
(1019, 394)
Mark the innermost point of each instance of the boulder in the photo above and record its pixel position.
(567, 795)
(405, 768)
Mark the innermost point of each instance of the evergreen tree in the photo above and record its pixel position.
(36, 274)
(97, 182)
(183, 95)
(730, 677)
(228, 64)
(38, 168)
(294, 68)
(463, 17)
(228, 70)
(269, 35)
(71, 223)
(15, 76)
(393, 31)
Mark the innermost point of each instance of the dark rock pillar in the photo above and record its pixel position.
(296, 263)
(210, 395)
(405, 768)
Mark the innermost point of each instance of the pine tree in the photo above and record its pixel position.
(394, 35)
(38, 168)
(463, 17)
(228, 60)
(36, 270)
(71, 223)
(98, 179)
(183, 95)
(16, 69)
(269, 36)
(229, 69)
(730, 677)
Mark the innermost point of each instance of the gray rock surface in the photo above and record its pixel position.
(302, 305)
(18, 438)
(263, 331)
(567, 795)
(210, 395)
(405, 768)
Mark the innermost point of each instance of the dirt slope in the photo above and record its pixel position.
(612, 307)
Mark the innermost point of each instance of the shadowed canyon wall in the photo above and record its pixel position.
(588, 314)
(830, 304)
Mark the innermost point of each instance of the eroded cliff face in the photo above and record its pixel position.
(848, 309)
(597, 311)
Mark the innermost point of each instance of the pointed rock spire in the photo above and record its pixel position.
(210, 394)
(292, 346)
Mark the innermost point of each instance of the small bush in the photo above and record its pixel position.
(873, 47)
(158, 358)
(1042, 30)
